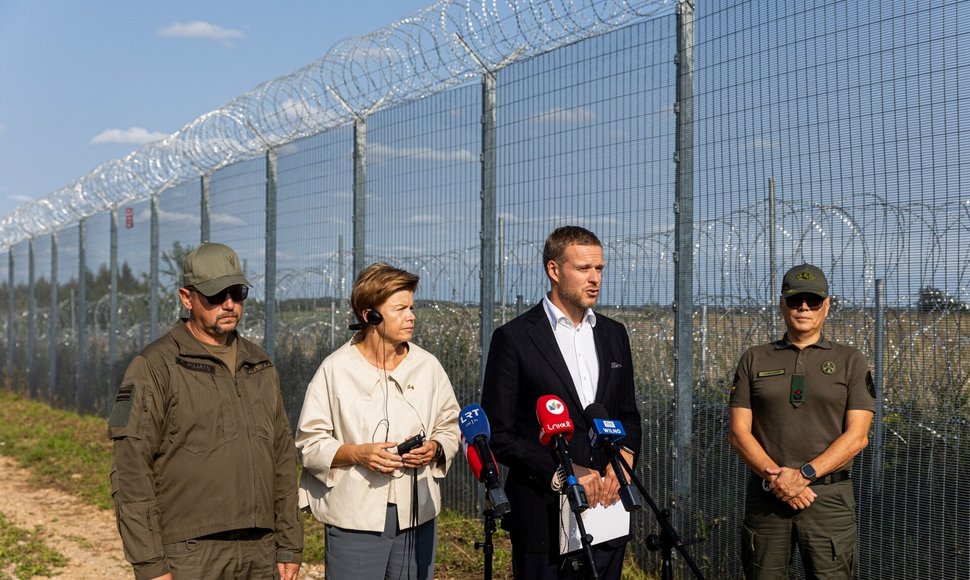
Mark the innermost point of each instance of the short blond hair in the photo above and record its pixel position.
(376, 283)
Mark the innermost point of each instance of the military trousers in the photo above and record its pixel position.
(236, 555)
(825, 534)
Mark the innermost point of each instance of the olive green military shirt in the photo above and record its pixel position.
(799, 398)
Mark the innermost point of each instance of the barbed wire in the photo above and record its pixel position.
(438, 47)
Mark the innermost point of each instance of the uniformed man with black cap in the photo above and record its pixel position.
(204, 469)
(801, 409)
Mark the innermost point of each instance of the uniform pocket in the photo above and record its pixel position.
(843, 550)
(138, 525)
(186, 559)
(203, 417)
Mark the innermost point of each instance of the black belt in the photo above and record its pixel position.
(833, 477)
(242, 535)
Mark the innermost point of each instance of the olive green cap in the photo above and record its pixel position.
(211, 268)
(805, 278)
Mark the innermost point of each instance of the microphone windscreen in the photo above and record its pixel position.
(553, 417)
(473, 422)
(595, 411)
(473, 458)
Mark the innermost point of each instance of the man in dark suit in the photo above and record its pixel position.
(559, 347)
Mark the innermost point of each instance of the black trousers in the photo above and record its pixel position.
(545, 566)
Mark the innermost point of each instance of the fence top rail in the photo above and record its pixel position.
(441, 46)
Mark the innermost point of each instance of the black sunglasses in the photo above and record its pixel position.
(814, 301)
(238, 293)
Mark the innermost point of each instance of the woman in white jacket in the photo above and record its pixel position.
(375, 392)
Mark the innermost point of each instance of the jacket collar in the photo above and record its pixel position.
(189, 346)
(784, 343)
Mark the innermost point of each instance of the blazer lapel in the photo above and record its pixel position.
(541, 335)
(604, 359)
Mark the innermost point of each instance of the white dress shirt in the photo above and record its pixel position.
(578, 349)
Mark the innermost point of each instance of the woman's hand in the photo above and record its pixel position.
(421, 455)
(376, 457)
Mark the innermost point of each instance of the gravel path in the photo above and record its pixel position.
(85, 535)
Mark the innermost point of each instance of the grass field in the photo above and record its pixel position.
(71, 452)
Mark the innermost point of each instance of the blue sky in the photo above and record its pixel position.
(87, 82)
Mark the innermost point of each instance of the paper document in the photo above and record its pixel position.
(603, 523)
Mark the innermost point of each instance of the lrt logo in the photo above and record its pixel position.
(555, 407)
(470, 416)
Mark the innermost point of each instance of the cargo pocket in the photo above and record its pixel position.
(187, 559)
(763, 555)
(139, 526)
(843, 552)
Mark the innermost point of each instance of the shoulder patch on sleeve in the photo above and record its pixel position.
(121, 409)
(870, 384)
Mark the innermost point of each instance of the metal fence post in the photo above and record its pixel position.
(10, 310)
(112, 314)
(772, 266)
(80, 374)
(880, 334)
(684, 261)
(205, 201)
(360, 192)
(269, 343)
(153, 258)
(31, 322)
(489, 211)
(54, 326)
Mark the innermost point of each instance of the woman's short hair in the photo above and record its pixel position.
(376, 283)
(561, 238)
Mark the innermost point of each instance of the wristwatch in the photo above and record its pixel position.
(808, 472)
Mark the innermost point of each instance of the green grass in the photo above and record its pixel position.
(62, 449)
(23, 553)
(72, 453)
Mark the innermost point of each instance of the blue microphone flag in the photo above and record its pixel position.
(473, 422)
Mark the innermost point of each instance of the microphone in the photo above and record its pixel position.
(556, 429)
(604, 434)
(474, 429)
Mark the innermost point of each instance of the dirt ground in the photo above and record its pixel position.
(84, 534)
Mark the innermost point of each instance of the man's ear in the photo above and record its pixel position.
(185, 295)
(552, 270)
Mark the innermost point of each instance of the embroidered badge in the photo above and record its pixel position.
(797, 396)
(773, 373)
(734, 389)
(195, 366)
(828, 367)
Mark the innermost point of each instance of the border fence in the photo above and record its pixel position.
(710, 145)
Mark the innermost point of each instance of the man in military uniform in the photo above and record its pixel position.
(801, 408)
(204, 469)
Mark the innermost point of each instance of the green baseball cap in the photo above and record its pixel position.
(211, 268)
(805, 278)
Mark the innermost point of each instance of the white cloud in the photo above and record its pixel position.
(577, 115)
(380, 151)
(20, 198)
(130, 136)
(203, 30)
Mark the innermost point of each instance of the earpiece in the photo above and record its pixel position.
(372, 318)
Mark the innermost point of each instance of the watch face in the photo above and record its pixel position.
(808, 471)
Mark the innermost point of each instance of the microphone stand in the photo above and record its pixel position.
(668, 538)
(577, 503)
(487, 548)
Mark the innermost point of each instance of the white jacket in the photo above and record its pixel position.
(345, 403)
